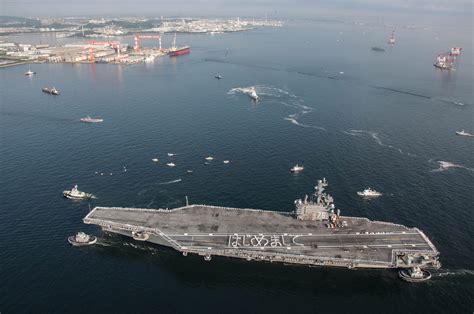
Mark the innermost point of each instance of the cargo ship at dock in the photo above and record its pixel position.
(175, 51)
(314, 234)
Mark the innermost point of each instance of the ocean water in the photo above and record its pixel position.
(357, 117)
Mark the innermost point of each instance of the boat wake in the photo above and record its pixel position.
(376, 137)
(455, 272)
(446, 165)
(282, 97)
(171, 182)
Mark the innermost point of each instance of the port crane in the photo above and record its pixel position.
(114, 44)
(136, 47)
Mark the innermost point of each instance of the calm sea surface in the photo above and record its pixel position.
(357, 117)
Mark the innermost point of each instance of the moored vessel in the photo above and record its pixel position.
(175, 51)
(52, 91)
(82, 239)
(29, 73)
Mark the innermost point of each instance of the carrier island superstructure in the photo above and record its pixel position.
(314, 234)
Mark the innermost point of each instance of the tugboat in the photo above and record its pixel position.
(75, 194)
(140, 235)
(253, 94)
(51, 91)
(219, 77)
(297, 168)
(82, 239)
(463, 133)
(29, 73)
(369, 193)
(88, 119)
(415, 274)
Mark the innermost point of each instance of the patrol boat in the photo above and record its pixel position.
(369, 193)
(314, 234)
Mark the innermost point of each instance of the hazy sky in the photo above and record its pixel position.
(281, 8)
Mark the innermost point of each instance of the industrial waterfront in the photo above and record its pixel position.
(345, 112)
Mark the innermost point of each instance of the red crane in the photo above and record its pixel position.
(138, 37)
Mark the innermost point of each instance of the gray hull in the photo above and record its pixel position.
(273, 236)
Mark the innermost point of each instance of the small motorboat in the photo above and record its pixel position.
(171, 154)
(209, 158)
(155, 159)
(226, 162)
(171, 164)
(140, 235)
(297, 168)
(51, 91)
(219, 77)
(75, 194)
(29, 73)
(415, 274)
(369, 193)
(378, 49)
(463, 133)
(189, 171)
(88, 119)
(253, 94)
(82, 239)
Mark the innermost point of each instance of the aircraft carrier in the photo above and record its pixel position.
(314, 234)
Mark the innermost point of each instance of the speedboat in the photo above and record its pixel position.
(209, 158)
(226, 161)
(171, 164)
(415, 274)
(171, 154)
(297, 168)
(253, 94)
(463, 133)
(155, 159)
(75, 194)
(81, 239)
(189, 171)
(29, 73)
(369, 193)
(218, 76)
(88, 119)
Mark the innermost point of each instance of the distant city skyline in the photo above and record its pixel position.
(280, 8)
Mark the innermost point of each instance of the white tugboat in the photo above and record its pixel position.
(75, 194)
(369, 193)
(253, 94)
(463, 133)
(140, 235)
(88, 119)
(29, 73)
(415, 274)
(82, 239)
(297, 168)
